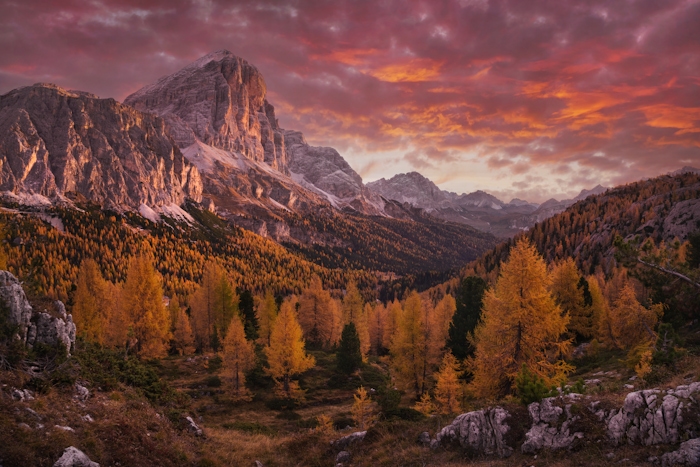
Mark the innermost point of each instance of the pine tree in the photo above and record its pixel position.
(316, 314)
(363, 409)
(467, 314)
(247, 308)
(266, 313)
(286, 356)
(569, 296)
(448, 388)
(520, 324)
(91, 303)
(349, 355)
(239, 357)
(144, 308)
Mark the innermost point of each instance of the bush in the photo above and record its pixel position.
(282, 404)
(531, 388)
(389, 400)
(213, 382)
(405, 413)
(349, 356)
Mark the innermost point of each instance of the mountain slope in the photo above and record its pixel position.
(53, 142)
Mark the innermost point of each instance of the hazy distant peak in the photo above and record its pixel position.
(598, 189)
(685, 170)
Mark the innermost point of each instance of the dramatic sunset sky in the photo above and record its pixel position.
(532, 99)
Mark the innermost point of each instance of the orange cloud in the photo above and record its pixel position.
(415, 70)
(670, 116)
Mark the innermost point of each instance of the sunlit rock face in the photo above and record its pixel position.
(220, 101)
(54, 141)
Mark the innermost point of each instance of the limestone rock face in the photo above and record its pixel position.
(220, 101)
(547, 431)
(54, 141)
(35, 327)
(483, 431)
(688, 454)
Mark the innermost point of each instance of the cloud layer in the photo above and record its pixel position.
(528, 99)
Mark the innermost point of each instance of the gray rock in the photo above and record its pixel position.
(192, 427)
(51, 330)
(424, 438)
(688, 454)
(22, 395)
(550, 426)
(54, 141)
(81, 392)
(483, 431)
(19, 309)
(346, 441)
(64, 428)
(342, 457)
(258, 464)
(74, 457)
(434, 444)
(25, 427)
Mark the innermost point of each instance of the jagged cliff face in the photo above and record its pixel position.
(54, 141)
(220, 101)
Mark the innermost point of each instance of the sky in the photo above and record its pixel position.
(529, 99)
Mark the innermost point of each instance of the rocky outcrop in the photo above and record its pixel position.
(220, 101)
(482, 431)
(54, 142)
(551, 425)
(33, 327)
(74, 457)
(341, 444)
(653, 416)
(688, 454)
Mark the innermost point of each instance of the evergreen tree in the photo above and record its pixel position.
(354, 312)
(349, 356)
(467, 314)
(246, 306)
(286, 355)
(520, 324)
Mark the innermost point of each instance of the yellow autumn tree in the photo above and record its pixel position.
(600, 313)
(448, 388)
(633, 324)
(354, 312)
(377, 323)
(183, 339)
(363, 409)
(239, 357)
(118, 326)
(144, 308)
(569, 296)
(213, 304)
(286, 356)
(415, 348)
(316, 315)
(444, 311)
(393, 314)
(266, 312)
(520, 325)
(91, 303)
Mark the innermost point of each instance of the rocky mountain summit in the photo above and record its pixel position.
(54, 142)
(217, 111)
(479, 209)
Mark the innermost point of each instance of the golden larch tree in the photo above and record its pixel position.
(266, 312)
(144, 308)
(118, 325)
(377, 323)
(91, 303)
(183, 338)
(393, 314)
(286, 355)
(203, 305)
(415, 347)
(444, 311)
(567, 294)
(448, 388)
(520, 324)
(316, 314)
(633, 324)
(363, 409)
(239, 357)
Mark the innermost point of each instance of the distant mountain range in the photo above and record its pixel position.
(478, 209)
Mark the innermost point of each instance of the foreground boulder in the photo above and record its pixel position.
(688, 454)
(551, 426)
(342, 443)
(74, 457)
(34, 327)
(482, 431)
(653, 416)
